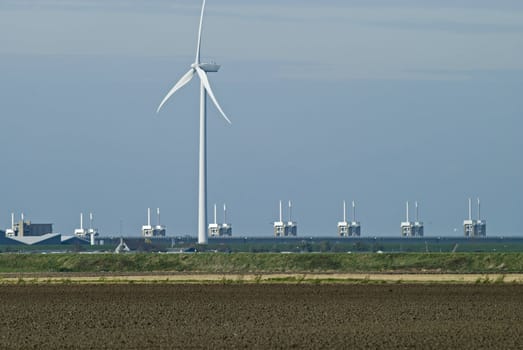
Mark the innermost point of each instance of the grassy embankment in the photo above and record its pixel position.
(246, 263)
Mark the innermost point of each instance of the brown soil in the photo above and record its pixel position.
(347, 316)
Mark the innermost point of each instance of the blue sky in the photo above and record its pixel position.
(374, 101)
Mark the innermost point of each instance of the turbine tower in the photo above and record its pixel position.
(201, 69)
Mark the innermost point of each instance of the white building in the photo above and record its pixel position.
(412, 228)
(153, 231)
(226, 228)
(343, 226)
(92, 232)
(81, 232)
(159, 229)
(407, 226)
(10, 232)
(220, 230)
(348, 229)
(355, 226)
(475, 228)
(418, 228)
(279, 226)
(291, 228)
(214, 228)
(288, 228)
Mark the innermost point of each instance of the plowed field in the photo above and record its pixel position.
(165, 316)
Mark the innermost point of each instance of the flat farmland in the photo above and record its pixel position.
(165, 316)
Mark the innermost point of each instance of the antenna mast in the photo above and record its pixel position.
(479, 210)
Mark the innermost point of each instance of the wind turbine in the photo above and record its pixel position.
(201, 69)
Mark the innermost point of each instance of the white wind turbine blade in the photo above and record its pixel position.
(181, 83)
(197, 59)
(205, 81)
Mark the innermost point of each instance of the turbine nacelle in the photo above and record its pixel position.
(207, 67)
